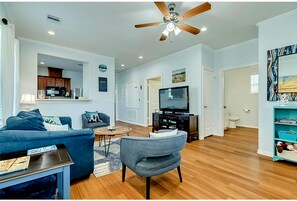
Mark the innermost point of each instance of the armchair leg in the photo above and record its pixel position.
(148, 185)
(123, 172)
(179, 174)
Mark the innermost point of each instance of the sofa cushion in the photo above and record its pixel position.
(42, 188)
(32, 113)
(97, 125)
(26, 123)
(163, 134)
(93, 117)
(53, 127)
(52, 120)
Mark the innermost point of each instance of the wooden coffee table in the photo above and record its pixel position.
(105, 133)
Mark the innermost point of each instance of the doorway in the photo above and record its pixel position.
(153, 86)
(208, 102)
(241, 97)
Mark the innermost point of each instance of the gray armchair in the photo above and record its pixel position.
(149, 157)
(104, 117)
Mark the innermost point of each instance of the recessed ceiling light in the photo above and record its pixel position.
(122, 65)
(203, 29)
(51, 33)
(41, 62)
(140, 57)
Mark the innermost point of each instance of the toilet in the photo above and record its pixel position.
(232, 121)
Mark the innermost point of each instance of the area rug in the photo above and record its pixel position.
(106, 165)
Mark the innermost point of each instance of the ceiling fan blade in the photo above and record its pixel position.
(148, 24)
(189, 28)
(163, 37)
(163, 8)
(195, 11)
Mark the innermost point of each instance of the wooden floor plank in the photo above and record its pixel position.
(215, 168)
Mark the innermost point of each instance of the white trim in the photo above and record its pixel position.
(144, 88)
(276, 18)
(247, 126)
(239, 66)
(236, 45)
(130, 122)
(265, 153)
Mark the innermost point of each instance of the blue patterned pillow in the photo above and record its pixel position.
(54, 120)
(93, 117)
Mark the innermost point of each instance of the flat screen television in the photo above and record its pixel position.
(175, 99)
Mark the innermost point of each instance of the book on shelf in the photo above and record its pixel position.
(14, 164)
(41, 150)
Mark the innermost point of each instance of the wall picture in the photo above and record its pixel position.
(102, 84)
(179, 75)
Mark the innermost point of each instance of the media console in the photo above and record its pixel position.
(185, 122)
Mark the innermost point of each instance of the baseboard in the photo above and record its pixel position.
(130, 122)
(265, 153)
(247, 126)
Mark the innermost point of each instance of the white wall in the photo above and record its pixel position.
(101, 101)
(274, 33)
(235, 56)
(238, 95)
(189, 58)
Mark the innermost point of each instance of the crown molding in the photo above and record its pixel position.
(276, 18)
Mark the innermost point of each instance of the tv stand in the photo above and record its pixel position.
(185, 122)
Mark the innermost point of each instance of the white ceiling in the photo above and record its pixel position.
(107, 28)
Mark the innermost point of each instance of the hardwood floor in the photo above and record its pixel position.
(215, 168)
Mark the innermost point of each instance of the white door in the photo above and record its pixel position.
(153, 98)
(208, 102)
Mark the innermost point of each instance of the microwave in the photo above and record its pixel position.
(52, 91)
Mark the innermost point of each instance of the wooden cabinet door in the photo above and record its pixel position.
(41, 83)
(50, 81)
(67, 84)
(59, 82)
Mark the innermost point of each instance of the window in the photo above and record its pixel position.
(254, 83)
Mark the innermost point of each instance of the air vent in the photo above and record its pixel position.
(53, 18)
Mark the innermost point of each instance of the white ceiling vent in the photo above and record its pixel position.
(54, 19)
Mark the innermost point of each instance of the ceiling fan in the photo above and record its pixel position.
(173, 19)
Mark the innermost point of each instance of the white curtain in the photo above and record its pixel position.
(8, 71)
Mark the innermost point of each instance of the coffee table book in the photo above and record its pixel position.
(14, 164)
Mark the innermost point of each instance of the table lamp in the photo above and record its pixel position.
(27, 100)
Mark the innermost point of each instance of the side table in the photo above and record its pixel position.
(56, 162)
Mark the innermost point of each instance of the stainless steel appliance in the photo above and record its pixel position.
(76, 93)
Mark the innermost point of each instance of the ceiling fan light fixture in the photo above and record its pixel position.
(165, 32)
(170, 26)
(203, 28)
(177, 31)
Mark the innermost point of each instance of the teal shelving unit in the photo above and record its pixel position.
(285, 130)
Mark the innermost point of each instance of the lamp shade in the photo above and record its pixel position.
(28, 99)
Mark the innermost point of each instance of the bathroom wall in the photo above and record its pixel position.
(238, 95)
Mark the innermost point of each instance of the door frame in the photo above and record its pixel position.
(202, 118)
(145, 96)
(221, 94)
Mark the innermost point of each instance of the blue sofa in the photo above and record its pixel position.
(79, 143)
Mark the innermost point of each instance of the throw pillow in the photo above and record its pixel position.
(32, 113)
(52, 127)
(163, 134)
(26, 123)
(93, 117)
(52, 120)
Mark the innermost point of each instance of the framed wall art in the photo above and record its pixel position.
(179, 75)
(282, 73)
(102, 81)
